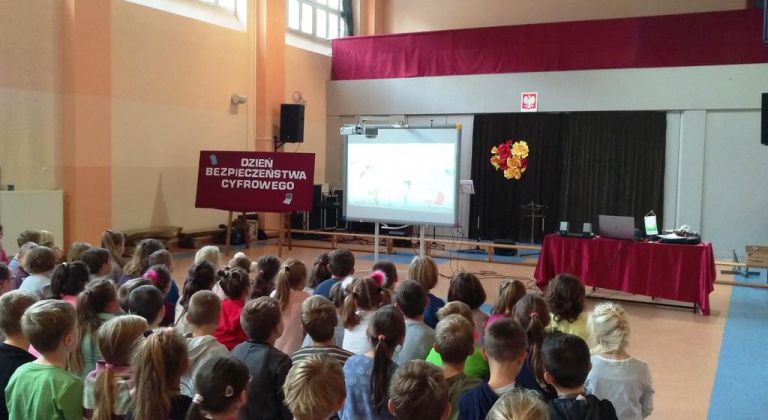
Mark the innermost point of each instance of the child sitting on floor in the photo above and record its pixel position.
(465, 287)
(95, 305)
(14, 349)
(566, 299)
(615, 375)
(454, 342)
(203, 319)
(476, 366)
(411, 299)
(314, 388)
(236, 285)
(424, 270)
(419, 391)
(319, 320)
(362, 301)
(220, 390)
(532, 314)
(68, 280)
(291, 280)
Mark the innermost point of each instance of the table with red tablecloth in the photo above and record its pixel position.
(684, 273)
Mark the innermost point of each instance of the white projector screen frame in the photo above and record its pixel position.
(414, 175)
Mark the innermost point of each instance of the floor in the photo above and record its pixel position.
(689, 354)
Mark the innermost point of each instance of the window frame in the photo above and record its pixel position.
(315, 7)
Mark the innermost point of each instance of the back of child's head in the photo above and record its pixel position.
(260, 317)
(610, 327)
(46, 324)
(411, 298)
(241, 261)
(456, 308)
(12, 307)
(320, 271)
(201, 276)
(314, 388)
(423, 269)
(124, 292)
(28, 236)
(97, 298)
(234, 282)
(76, 250)
(140, 259)
(158, 363)
(386, 331)
(116, 339)
(161, 257)
(510, 292)
(363, 294)
(5, 275)
(465, 287)
(566, 358)
(292, 276)
(390, 273)
(46, 238)
(114, 242)
(69, 279)
(267, 267)
(146, 302)
(219, 385)
(341, 263)
(454, 339)
(565, 296)
(505, 340)
(418, 391)
(318, 317)
(95, 259)
(160, 276)
(210, 253)
(533, 315)
(40, 260)
(337, 295)
(520, 404)
(204, 308)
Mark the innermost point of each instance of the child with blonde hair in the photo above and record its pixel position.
(418, 391)
(158, 365)
(566, 299)
(220, 390)
(107, 390)
(615, 375)
(314, 388)
(165, 258)
(367, 376)
(203, 318)
(96, 305)
(43, 389)
(520, 404)
(139, 262)
(423, 269)
(364, 297)
(454, 342)
(475, 366)
(319, 319)
(289, 291)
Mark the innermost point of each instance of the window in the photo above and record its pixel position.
(225, 13)
(316, 18)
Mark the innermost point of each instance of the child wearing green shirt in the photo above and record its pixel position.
(43, 389)
(475, 366)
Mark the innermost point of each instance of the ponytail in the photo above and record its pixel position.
(219, 382)
(200, 277)
(69, 279)
(385, 332)
(157, 367)
(116, 338)
(533, 315)
(140, 259)
(292, 275)
(91, 302)
(234, 282)
(363, 294)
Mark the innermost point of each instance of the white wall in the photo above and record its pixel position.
(709, 108)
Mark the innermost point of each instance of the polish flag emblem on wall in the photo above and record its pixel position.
(529, 102)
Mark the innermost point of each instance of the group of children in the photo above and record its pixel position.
(97, 336)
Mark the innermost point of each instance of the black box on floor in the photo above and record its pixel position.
(507, 252)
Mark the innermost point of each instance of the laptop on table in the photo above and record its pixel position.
(616, 227)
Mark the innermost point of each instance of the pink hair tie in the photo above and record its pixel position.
(379, 276)
(381, 337)
(534, 315)
(198, 399)
(152, 275)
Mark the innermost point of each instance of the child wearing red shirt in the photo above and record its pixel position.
(236, 285)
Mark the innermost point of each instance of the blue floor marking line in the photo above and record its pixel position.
(741, 378)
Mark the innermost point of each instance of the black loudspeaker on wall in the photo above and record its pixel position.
(764, 126)
(292, 123)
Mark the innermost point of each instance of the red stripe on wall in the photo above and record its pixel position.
(717, 38)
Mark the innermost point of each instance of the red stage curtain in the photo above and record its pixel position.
(733, 37)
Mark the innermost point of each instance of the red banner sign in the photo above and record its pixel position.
(255, 181)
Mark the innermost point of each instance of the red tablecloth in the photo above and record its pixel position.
(680, 272)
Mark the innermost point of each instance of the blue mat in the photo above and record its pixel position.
(742, 369)
(399, 258)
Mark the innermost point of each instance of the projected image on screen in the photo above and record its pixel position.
(403, 175)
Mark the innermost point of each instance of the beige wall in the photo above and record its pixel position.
(307, 73)
(172, 78)
(29, 93)
(417, 16)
